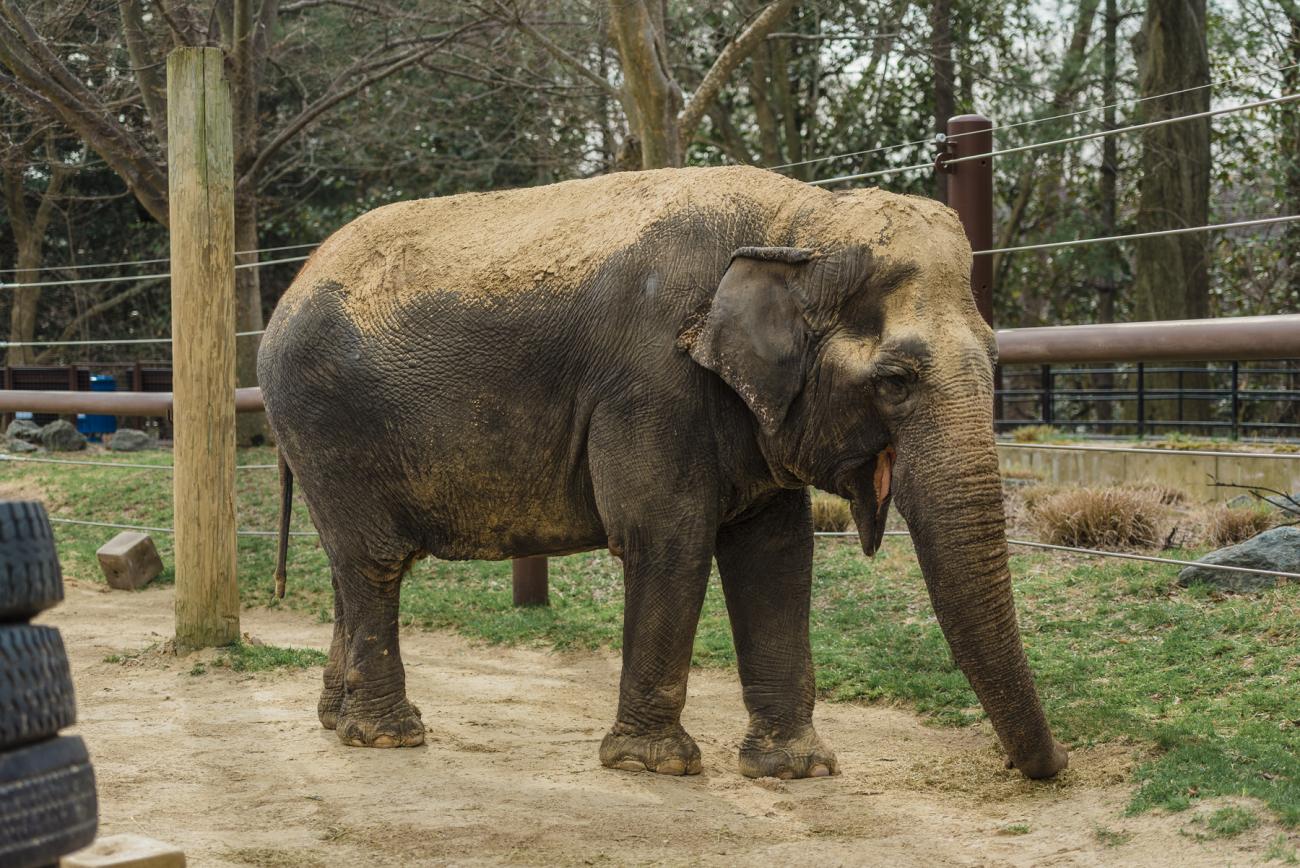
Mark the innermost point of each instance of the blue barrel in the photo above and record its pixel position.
(94, 426)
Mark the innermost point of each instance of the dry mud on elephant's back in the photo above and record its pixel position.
(234, 768)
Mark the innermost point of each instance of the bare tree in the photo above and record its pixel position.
(39, 76)
(661, 119)
(30, 207)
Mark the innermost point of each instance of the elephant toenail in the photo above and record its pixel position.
(671, 767)
(385, 741)
(630, 765)
(785, 774)
(819, 771)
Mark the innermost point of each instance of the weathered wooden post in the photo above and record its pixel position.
(200, 160)
(531, 581)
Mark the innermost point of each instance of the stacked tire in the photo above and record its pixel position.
(47, 787)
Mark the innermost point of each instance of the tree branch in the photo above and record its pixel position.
(327, 101)
(153, 89)
(730, 57)
(89, 313)
(560, 54)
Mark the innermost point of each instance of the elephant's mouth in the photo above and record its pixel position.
(869, 493)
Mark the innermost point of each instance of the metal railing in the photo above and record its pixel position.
(1235, 399)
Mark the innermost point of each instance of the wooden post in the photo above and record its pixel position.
(200, 161)
(530, 579)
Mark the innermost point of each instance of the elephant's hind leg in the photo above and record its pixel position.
(331, 694)
(374, 711)
(766, 567)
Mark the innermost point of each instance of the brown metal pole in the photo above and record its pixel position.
(531, 585)
(970, 194)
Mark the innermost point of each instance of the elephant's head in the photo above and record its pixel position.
(869, 372)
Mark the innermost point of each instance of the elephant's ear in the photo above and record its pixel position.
(754, 334)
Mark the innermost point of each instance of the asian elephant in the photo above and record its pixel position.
(659, 363)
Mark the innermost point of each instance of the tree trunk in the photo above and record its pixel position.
(648, 81)
(1290, 153)
(944, 100)
(1108, 287)
(1172, 273)
(26, 301)
(251, 428)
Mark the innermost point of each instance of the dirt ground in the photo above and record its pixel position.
(235, 769)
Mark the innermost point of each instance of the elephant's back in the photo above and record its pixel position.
(483, 249)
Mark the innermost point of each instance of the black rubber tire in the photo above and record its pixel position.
(36, 699)
(48, 806)
(30, 578)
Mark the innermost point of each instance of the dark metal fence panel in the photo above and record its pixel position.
(1223, 399)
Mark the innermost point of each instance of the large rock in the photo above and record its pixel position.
(129, 440)
(1276, 549)
(13, 444)
(25, 430)
(129, 560)
(61, 436)
(1292, 505)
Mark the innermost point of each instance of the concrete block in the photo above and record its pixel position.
(129, 560)
(125, 851)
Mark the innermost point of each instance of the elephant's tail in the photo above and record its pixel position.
(286, 513)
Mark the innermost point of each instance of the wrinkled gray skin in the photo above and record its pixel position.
(749, 338)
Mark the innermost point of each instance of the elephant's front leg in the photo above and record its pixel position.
(766, 566)
(665, 577)
(374, 711)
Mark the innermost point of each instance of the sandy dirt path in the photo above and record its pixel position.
(235, 769)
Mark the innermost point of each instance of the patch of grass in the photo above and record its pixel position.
(245, 657)
(1111, 838)
(1281, 850)
(1226, 822)
(1015, 829)
(198, 669)
(1210, 686)
(1037, 434)
(1113, 517)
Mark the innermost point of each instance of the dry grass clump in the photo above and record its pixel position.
(1115, 517)
(1035, 434)
(1229, 525)
(1166, 494)
(830, 513)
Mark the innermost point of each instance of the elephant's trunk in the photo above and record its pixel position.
(949, 491)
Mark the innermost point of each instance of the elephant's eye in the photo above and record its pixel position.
(893, 385)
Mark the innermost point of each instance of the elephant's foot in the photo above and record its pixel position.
(330, 705)
(400, 726)
(1045, 765)
(668, 752)
(803, 755)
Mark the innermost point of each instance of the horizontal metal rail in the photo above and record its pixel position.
(1231, 338)
(1235, 338)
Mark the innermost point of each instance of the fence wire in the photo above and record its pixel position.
(122, 464)
(127, 263)
(146, 529)
(1185, 230)
(1036, 146)
(1098, 553)
(139, 278)
(1035, 121)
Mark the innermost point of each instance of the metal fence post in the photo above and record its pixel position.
(1049, 415)
(1236, 399)
(1142, 400)
(530, 579)
(201, 185)
(970, 193)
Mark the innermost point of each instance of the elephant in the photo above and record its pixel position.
(659, 363)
